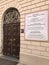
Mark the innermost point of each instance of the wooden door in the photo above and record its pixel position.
(11, 39)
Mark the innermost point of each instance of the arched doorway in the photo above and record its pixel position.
(11, 33)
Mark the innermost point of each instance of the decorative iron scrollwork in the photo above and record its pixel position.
(11, 16)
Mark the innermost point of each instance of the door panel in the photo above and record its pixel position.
(11, 44)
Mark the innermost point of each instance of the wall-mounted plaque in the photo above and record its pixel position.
(36, 26)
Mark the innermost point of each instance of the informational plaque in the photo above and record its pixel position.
(36, 26)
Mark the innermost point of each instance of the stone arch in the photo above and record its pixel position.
(11, 17)
(13, 11)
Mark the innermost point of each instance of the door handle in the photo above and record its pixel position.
(14, 39)
(10, 39)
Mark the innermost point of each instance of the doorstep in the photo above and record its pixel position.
(9, 58)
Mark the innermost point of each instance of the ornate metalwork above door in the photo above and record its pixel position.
(11, 16)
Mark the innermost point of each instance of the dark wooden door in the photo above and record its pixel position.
(11, 39)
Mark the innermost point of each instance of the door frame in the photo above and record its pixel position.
(5, 23)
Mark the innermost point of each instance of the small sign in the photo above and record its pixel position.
(22, 30)
(36, 26)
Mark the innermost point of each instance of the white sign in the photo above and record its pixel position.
(36, 26)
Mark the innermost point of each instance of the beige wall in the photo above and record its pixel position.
(32, 47)
(25, 7)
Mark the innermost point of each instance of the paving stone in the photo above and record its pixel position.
(6, 62)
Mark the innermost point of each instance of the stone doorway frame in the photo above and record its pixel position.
(1, 52)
